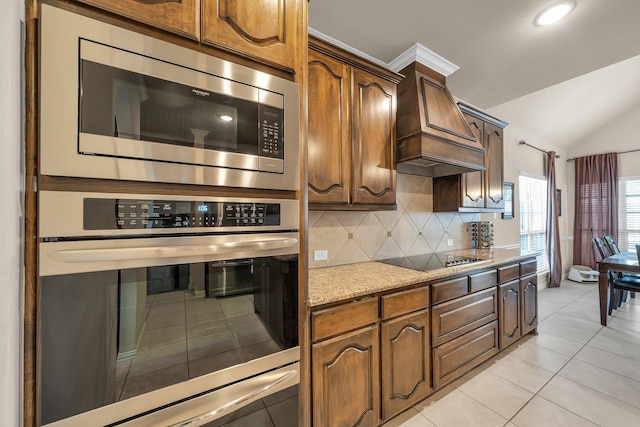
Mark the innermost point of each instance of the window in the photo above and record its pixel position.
(533, 217)
(628, 213)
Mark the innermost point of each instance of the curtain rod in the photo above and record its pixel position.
(620, 152)
(523, 142)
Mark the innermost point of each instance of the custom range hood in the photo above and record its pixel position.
(433, 138)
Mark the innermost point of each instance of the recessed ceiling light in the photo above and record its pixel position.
(554, 13)
(225, 117)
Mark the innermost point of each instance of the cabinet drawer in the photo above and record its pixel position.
(528, 267)
(404, 302)
(478, 282)
(454, 318)
(343, 318)
(458, 356)
(508, 273)
(450, 289)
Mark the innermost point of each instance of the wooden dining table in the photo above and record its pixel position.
(624, 262)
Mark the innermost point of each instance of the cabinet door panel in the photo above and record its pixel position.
(494, 164)
(170, 15)
(346, 380)
(509, 308)
(405, 362)
(261, 28)
(529, 301)
(329, 154)
(374, 124)
(473, 182)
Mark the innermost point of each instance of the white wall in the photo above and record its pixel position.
(11, 161)
(520, 159)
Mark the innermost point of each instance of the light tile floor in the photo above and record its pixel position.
(573, 373)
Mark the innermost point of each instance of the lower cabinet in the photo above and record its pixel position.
(345, 376)
(405, 373)
(509, 308)
(460, 355)
(529, 303)
(374, 358)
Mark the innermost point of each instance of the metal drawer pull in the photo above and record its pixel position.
(233, 403)
(125, 254)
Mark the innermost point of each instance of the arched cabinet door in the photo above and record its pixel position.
(374, 124)
(473, 182)
(346, 380)
(509, 313)
(494, 164)
(329, 130)
(263, 29)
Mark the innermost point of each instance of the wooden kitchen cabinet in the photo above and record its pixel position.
(529, 303)
(509, 308)
(345, 367)
(405, 351)
(175, 16)
(480, 191)
(351, 125)
(263, 29)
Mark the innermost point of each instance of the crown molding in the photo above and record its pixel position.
(426, 57)
(346, 47)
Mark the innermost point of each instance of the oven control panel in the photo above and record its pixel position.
(134, 214)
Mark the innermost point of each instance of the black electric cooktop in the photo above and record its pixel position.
(432, 261)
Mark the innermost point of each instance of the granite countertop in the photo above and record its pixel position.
(344, 282)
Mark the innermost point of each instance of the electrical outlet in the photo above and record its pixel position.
(321, 255)
(449, 242)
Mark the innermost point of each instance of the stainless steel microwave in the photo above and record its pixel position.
(115, 104)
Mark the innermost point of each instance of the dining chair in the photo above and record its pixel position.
(618, 283)
(611, 243)
(613, 247)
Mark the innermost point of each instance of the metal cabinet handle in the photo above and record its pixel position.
(235, 402)
(156, 252)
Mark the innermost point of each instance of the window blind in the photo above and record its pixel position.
(533, 214)
(628, 213)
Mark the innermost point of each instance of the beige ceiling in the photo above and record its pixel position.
(561, 81)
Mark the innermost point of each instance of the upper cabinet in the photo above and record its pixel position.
(476, 191)
(351, 125)
(169, 15)
(263, 30)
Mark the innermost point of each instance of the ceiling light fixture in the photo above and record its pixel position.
(225, 117)
(554, 13)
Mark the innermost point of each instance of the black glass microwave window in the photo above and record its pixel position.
(125, 104)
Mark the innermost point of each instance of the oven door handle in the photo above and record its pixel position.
(178, 251)
(202, 417)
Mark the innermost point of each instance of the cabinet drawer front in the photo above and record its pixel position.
(450, 289)
(404, 302)
(508, 273)
(456, 357)
(336, 320)
(478, 282)
(454, 318)
(528, 267)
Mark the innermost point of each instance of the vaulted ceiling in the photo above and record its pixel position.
(561, 81)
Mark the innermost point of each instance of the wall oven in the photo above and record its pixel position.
(165, 310)
(116, 104)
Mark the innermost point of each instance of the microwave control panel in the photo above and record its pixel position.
(132, 214)
(271, 129)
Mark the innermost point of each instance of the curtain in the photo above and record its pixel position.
(553, 234)
(596, 204)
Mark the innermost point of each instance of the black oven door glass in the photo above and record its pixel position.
(124, 104)
(112, 335)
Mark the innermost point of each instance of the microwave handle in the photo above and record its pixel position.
(202, 417)
(161, 252)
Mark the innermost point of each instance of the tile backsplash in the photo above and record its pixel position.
(351, 236)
